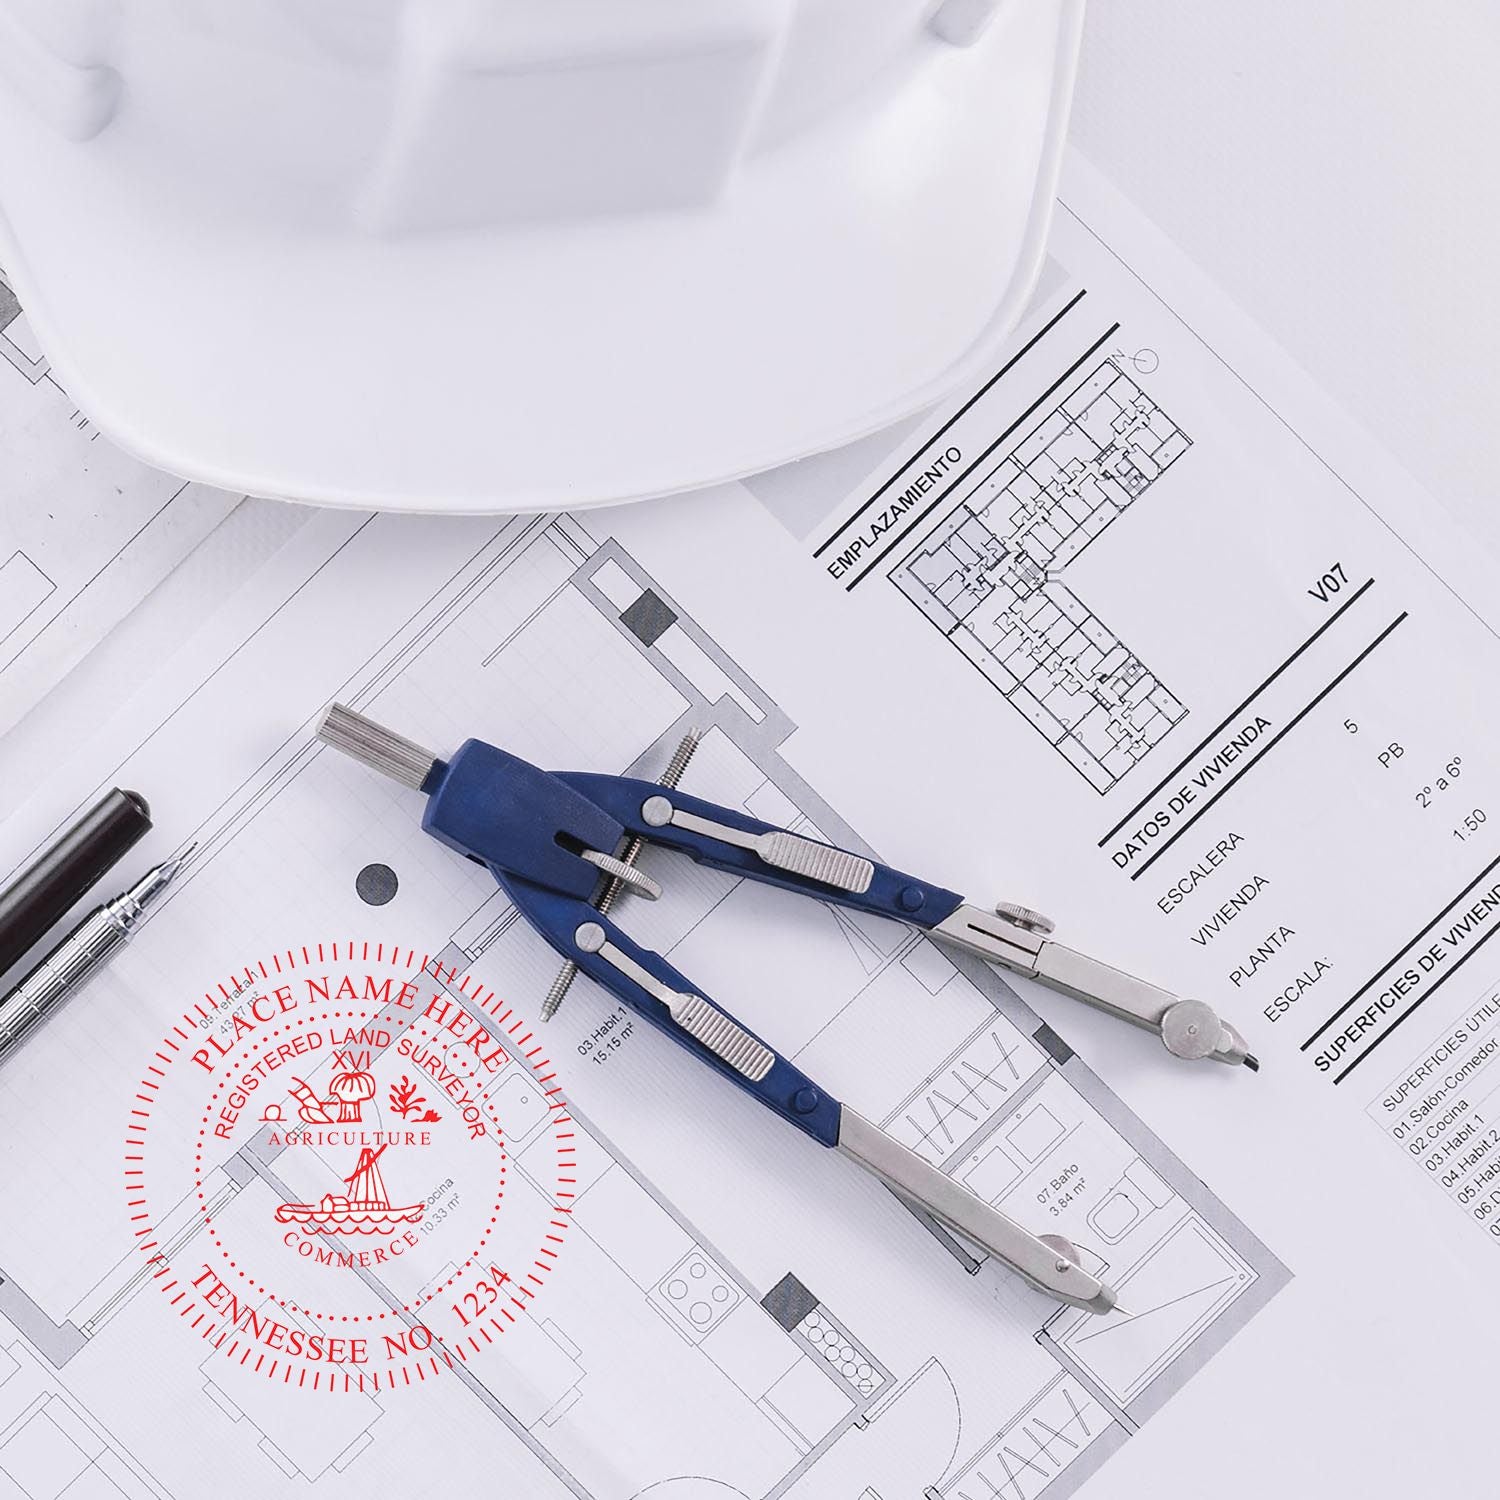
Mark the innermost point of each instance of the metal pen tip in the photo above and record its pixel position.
(150, 886)
(170, 866)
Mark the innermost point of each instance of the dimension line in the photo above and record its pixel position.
(1416, 1004)
(1236, 711)
(1271, 745)
(1410, 943)
(1025, 416)
(983, 390)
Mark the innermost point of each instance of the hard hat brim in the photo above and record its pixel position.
(850, 278)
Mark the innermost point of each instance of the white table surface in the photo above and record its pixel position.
(1332, 163)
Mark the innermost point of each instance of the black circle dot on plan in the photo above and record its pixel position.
(375, 884)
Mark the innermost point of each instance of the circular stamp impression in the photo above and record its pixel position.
(349, 1167)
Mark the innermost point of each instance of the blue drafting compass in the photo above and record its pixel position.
(550, 838)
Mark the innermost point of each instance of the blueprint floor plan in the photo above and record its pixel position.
(991, 575)
(736, 1313)
(85, 530)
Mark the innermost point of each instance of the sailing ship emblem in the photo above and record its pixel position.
(364, 1209)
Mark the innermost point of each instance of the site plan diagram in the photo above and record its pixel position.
(736, 1313)
(991, 576)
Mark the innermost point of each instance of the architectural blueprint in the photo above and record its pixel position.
(735, 1312)
(991, 575)
(85, 530)
(1312, 849)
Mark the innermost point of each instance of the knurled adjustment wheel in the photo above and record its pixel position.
(1024, 916)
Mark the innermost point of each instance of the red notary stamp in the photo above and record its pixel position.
(350, 1168)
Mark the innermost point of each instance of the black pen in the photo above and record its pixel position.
(44, 892)
(80, 955)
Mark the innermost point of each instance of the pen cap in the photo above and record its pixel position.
(41, 895)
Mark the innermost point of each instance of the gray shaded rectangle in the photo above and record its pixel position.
(789, 1302)
(1052, 1044)
(649, 618)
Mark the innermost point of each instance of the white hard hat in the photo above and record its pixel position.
(521, 254)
